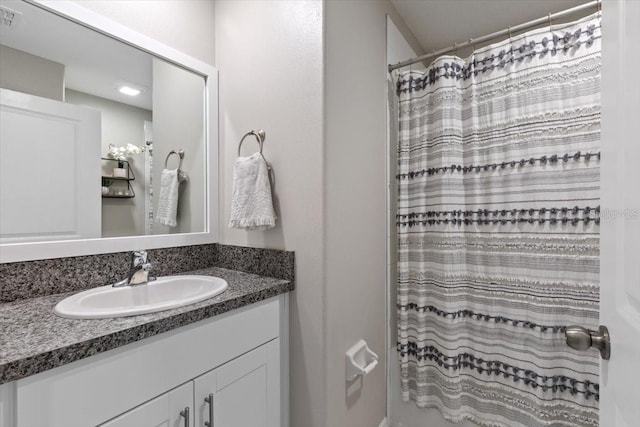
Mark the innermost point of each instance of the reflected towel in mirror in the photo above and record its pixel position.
(168, 200)
(251, 202)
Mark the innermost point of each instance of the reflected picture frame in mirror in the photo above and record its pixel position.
(75, 13)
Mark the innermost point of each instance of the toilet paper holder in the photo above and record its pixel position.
(360, 360)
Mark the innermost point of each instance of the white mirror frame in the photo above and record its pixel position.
(57, 249)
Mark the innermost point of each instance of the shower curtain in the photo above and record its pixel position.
(497, 222)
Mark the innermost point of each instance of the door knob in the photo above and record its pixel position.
(582, 339)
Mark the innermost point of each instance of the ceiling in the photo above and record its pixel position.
(94, 63)
(438, 24)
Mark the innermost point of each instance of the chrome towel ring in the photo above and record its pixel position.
(260, 137)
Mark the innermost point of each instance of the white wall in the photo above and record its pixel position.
(121, 125)
(269, 54)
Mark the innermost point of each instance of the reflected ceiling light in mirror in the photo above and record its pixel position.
(128, 90)
(125, 87)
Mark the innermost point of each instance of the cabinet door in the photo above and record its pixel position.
(166, 410)
(246, 390)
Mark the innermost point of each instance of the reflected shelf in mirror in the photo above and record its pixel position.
(120, 191)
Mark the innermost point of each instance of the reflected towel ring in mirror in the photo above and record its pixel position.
(179, 153)
(182, 176)
(260, 137)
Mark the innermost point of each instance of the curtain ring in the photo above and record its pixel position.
(509, 28)
(549, 18)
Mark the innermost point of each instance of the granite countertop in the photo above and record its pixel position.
(34, 339)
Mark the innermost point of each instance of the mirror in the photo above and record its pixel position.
(105, 137)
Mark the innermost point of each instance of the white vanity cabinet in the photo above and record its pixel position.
(240, 358)
(243, 392)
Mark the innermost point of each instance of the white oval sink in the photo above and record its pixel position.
(161, 294)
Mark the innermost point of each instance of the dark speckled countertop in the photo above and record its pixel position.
(33, 339)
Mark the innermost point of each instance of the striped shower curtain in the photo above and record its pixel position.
(498, 218)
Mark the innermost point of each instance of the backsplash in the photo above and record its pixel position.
(29, 279)
(265, 262)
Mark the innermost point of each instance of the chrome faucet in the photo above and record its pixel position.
(138, 270)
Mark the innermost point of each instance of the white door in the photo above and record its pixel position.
(50, 190)
(620, 229)
(166, 410)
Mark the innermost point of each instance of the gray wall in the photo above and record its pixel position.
(355, 186)
(269, 54)
(121, 124)
(23, 72)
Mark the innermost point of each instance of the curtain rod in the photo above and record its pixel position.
(526, 25)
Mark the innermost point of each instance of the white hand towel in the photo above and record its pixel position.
(168, 200)
(251, 202)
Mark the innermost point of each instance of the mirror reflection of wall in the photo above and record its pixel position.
(120, 122)
(46, 56)
(179, 123)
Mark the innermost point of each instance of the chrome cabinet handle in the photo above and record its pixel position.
(209, 400)
(185, 414)
(582, 339)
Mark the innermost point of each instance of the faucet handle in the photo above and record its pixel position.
(139, 257)
(139, 253)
